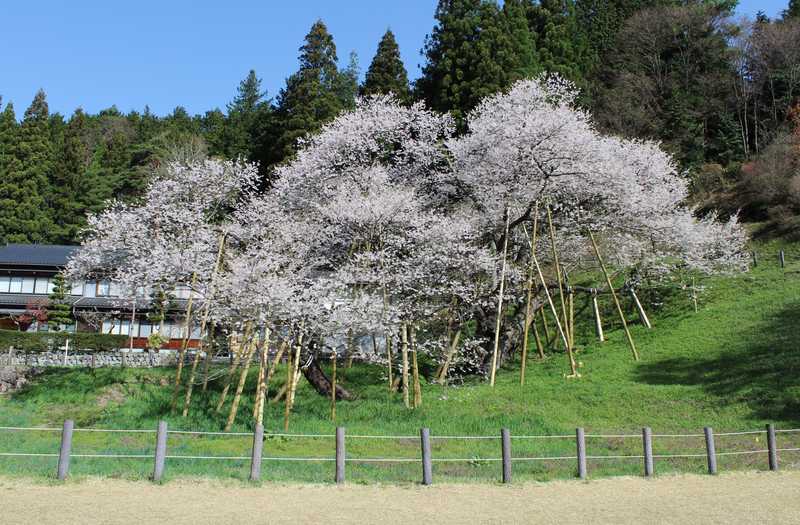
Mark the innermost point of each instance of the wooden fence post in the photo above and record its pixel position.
(505, 438)
(161, 451)
(258, 447)
(647, 438)
(340, 454)
(427, 467)
(580, 440)
(710, 450)
(782, 258)
(64, 452)
(772, 446)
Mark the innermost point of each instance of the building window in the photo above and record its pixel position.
(28, 284)
(103, 289)
(42, 286)
(4, 283)
(90, 290)
(145, 329)
(15, 285)
(76, 288)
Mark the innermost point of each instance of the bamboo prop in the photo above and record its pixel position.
(203, 323)
(282, 390)
(529, 300)
(598, 323)
(206, 366)
(614, 296)
(442, 377)
(694, 295)
(571, 302)
(235, 348)
(184, 343)
(349, 348)
(286, 389)
(273, 366)
(415, 369)
(261, 390)
(558, 275)
(333, 386)
(640, 309)
(500, 303)
(572, 365)
(250, 350)
(544, 325)
(389, 359)
(294, 377)
(539, 346)
(404, 350)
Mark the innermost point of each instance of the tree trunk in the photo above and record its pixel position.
(316, 378)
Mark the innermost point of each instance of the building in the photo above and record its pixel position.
(26, 281)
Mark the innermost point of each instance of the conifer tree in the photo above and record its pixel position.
(474, 51)
(69, 189)
(793, 11)
(386, 73)
(311, 97)
(59, 312)
(9, 170)
(245, 113)
(23, 211)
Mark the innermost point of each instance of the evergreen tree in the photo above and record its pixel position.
(312, 96)
(793, 11)
(562, 44)
(9, 170)
(23, 213)
(245, 113)
(475, 50)
(59, 312)
(70, 191)
(386, 73)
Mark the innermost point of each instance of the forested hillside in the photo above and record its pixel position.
(721, 93)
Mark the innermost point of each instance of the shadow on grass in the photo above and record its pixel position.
(760, 368)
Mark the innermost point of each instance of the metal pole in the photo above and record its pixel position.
(340, 454)
(258, 447)
(505, 438)
(710, 450)
(772, 446)
(427, 467)
(66, 447)
(647, 438)
(580, 440)
(161, 451)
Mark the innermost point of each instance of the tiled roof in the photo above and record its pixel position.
(36, 254)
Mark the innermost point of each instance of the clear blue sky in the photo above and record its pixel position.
(93, 54)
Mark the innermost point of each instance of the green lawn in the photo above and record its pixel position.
(734, 365)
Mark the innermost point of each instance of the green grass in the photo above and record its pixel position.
(734, 365)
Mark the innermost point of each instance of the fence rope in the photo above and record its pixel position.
(134, 431)
(566, 436)
(43, 429)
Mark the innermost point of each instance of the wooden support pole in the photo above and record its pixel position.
(340, 454)
(544, 325)
(389, 358)
(505, 439)
(640, 309)
(530, 317)
(537, 338)
(187, 327)
(614, 296)
(65, 450)
(710, 450)
(258, 447)
(161, 451)
(572, 364)
(493, 371)
(772, 447)
(782, 259)
(755, 259)
(647, 441)
(333, 386)
(427, 463)
(598, 322)
(580, 442)
(415, 369)
(558, 276)
(404, 350)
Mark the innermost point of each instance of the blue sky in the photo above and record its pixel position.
(93, 54)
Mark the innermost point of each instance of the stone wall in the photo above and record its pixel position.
(132, 359)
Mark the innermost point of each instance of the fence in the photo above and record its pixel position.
(425, 460)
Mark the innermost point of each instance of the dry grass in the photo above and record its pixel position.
(729, 498)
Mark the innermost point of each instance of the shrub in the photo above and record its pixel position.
(36, 342)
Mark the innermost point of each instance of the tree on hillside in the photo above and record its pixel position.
(71, 191)
(312, 96)
(9, 168)
(387, 73)
(793, 11)
(24, 216)
(475, 50)
(248, 112)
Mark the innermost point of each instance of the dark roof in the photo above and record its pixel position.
(36, 254)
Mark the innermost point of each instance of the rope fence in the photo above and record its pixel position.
(426, 458)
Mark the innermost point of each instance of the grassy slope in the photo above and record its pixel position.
(734, 365)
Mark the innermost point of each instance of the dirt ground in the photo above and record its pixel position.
(728, 498)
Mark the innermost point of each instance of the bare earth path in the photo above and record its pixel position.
(729, 498)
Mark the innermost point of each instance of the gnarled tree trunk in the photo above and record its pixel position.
(317, 378)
